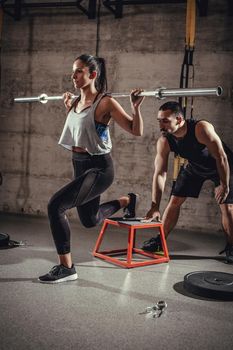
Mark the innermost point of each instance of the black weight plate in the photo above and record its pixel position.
(4, 239)
(210, 284)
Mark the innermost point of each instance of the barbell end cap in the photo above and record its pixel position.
(43, 98)
(219, 91)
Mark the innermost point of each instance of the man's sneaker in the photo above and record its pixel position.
(130, 210)
(59, 273)
(229, 253)
(153, 245)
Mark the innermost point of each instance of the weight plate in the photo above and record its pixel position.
(210, 284)
(4, 239)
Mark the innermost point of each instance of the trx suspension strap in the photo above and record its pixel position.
(187, 69)
(187, 73)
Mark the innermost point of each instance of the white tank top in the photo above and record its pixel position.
(80, 130)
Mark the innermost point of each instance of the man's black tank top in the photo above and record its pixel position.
(196, 153)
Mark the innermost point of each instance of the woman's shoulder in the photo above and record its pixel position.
(106, 97)
(106, 101)
(73, 104)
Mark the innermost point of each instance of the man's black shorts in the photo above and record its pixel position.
(189, 184)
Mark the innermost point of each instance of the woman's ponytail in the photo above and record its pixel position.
(101, 80)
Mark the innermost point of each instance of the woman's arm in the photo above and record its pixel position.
(133, 124)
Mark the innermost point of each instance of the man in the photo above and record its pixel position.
(208, 159)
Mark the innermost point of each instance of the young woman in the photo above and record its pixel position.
(86, 134)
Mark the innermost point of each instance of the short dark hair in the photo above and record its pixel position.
(174, 106)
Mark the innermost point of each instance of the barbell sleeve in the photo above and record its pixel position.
(190, 92)
(43, 98)
(158, 93)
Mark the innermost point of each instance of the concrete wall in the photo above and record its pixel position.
(143, 49)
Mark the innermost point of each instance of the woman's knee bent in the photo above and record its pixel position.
(89, 222)
(54, 207)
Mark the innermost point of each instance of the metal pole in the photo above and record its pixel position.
(158, 93)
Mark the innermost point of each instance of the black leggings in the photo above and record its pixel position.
(93, 175)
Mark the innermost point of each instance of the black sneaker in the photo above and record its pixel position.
(59, 273)
(153, 245)
(229, 253)
(130, 210)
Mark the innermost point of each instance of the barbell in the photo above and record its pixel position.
(158, 93)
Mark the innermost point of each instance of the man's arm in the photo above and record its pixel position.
(206, 135)
(159, 178)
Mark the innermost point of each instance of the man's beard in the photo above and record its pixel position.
(164, 132)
